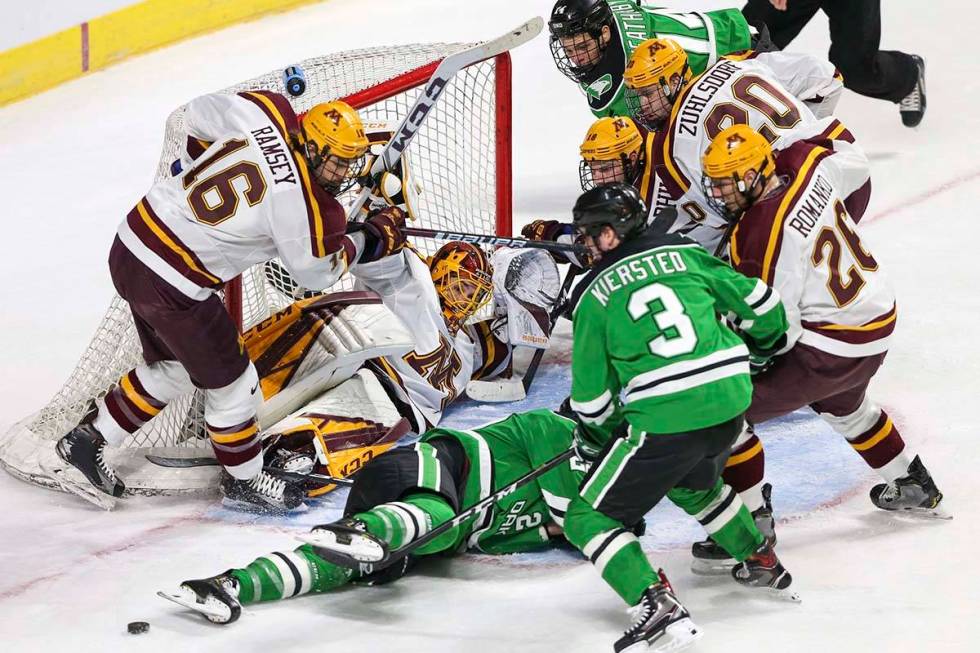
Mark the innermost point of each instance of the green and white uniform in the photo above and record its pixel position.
(495, 455)
(704, 35)
(646, 326)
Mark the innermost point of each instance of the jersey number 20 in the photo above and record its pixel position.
(677, 335)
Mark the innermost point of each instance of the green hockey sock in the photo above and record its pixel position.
(400, 522)
(723, 515)
(614, 551)
(285, 574)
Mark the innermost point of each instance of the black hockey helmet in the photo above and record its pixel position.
(570, 17)
(617, 205)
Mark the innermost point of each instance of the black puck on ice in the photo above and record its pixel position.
(138, 627)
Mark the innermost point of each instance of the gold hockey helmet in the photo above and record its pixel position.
(728, 160)
(650, 91)
(462, 275)
(334, 144)
(610, 141)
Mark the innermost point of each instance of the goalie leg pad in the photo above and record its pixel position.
(345, 427)
(318, 343)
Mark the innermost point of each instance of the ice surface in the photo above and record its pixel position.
(75, 160)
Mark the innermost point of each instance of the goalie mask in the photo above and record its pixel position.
(611, 152)
(462, 275)
(736, 165)
(333, 143)
(654, 76)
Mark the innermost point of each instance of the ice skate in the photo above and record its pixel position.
(915, 493)
(710, 559)
(263, 492)
(346, 542)
(660, 622)
(216, 597)
(913, 106)
(83, 448)
(764, 570)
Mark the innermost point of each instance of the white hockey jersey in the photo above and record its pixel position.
(802, 242)
(243, 197)
(763, 90)
(432, 375)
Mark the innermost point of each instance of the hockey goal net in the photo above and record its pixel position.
(461, 160)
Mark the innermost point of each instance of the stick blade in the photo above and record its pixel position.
(496, 391)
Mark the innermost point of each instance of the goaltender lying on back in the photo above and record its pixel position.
(360, 369)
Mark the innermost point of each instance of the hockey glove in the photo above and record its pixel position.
(382, 234)
(586, 448)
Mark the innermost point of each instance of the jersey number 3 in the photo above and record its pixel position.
(677, 335)
(214, 199)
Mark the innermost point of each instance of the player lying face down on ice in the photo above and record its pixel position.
(660, 386)
(403, 494)
(360, 369)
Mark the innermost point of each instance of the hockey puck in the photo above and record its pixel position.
(138, 627)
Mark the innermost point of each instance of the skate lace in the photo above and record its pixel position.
(103, 465)
(639, 613)
(269, 486)
(912, 101)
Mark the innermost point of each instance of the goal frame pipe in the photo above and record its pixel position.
(502, 139)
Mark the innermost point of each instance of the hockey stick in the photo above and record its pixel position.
(206, 461)
(443, 74)
(351, 548)
(503, 390)
(491, 239)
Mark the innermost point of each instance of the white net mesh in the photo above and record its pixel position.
(454, 160)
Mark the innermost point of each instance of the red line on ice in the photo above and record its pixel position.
(924, 196)
(140, 540)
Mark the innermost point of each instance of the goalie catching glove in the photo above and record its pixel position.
(526, 284)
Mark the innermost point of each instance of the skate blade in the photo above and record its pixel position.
(87, 491)
(677, 636)
(245, 506)
(214, 614)
(353, 551)
(702, 567)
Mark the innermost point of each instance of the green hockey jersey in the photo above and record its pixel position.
(646, 325)
(500, 453)
(704, 35)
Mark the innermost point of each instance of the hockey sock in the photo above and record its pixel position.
(614, 551)
(285, 574)
(883, 448)
(746, 468)
(721, 511)
(400, 522)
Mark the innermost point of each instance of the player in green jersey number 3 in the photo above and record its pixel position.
(646, 328)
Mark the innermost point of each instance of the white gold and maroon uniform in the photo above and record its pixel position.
(244, 199)
(739, 89)
(428, 378)
(840, 307)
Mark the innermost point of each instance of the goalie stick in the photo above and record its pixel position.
(207, 461)
(504, 390)
(351, 548)
(427, 99)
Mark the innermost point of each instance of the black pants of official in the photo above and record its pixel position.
(855, 34)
